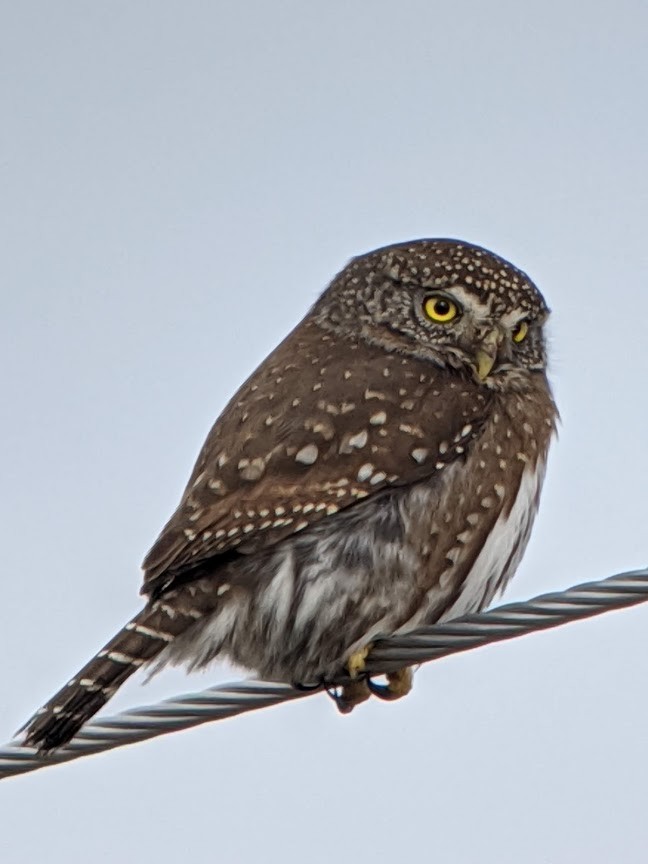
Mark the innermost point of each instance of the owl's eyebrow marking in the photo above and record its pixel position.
(510, 319)
(470, 301)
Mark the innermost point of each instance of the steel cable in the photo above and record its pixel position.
(420, 646)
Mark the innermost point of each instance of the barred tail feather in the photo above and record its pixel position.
(136, 644)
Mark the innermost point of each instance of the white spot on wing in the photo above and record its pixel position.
(307, 455)
(359, 439)
(365, 471)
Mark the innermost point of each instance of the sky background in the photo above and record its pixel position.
(179, 181)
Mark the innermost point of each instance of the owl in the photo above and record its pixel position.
(379, 471)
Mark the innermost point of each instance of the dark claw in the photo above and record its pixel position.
(382, 691)
(309, 688)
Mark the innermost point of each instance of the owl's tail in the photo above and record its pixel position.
(136, 644)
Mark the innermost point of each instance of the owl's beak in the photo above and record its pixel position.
(486, 354)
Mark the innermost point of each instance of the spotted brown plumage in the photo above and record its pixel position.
(381, 469)
(276, 462)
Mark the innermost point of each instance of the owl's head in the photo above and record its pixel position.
(446, 301)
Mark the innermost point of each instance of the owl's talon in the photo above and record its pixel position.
(382, 691)
(349, 695)
(399, 684)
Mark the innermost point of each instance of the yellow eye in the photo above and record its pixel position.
(520, 331)
(440, 309)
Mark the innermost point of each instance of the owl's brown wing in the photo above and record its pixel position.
(320, 425)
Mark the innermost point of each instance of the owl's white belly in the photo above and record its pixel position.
(502, 551)
(496, 562)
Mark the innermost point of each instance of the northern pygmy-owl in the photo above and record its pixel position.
(380, 470)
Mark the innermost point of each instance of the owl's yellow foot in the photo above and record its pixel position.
(346, 697)
(349, 695)
(356, 662)
(399, 684)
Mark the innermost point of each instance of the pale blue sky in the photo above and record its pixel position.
(178, 183)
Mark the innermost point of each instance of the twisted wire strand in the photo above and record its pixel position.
(420, 646)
